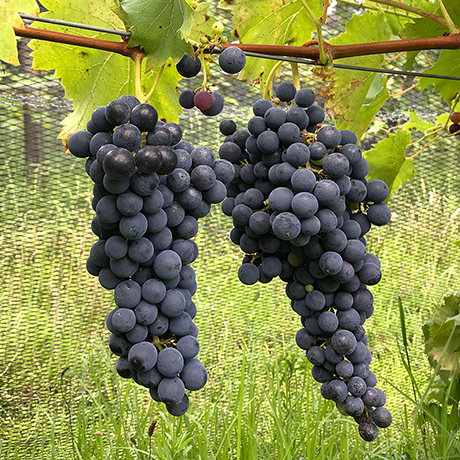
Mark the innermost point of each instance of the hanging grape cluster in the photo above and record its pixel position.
(150, 189)
(301, 208)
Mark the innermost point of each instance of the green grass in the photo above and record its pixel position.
(260, 401)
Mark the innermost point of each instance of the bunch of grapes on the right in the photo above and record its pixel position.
(454, 128)
(301, 207)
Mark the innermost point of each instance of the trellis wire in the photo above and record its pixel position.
(77, 25)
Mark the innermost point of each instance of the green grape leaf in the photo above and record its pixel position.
(347, 90)
(388, 162)
(274, 22)
(367, 112)
(419, 28)
(9, 18)
(447, 64)
(159, 27)
(415, 123)
(442, 334)
(93, 78)
(442, 119)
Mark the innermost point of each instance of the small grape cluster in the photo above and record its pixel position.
(150, 189)
(210, 103)
(301, 207)
(454, 128)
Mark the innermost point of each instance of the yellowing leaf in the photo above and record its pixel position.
(159, 27)
(273, 22)
(202, 21)
(9, 18)
(367, 112)
(348, 88)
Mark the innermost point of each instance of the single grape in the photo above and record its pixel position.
(203, 100)
(188, 67)
(455, 117)
(232, 60)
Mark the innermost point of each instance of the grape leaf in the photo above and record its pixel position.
(159, 27)
(444, 325)
(348, 89)
(447, 64)
(367, 112)
(419, 28)
(388, 162)
(92, 77)
(9, 18)
(415, 123)
(274, 22)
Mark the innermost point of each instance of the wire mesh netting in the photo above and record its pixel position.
(52, 321)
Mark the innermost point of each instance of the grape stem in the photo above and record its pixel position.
(138, 76)
(155, 83)
(295, 75)
(270, 78)
(138, 79)
(205, 74)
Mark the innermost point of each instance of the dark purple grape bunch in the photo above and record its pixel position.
(454, 128)
(210, 103)
(301, 207)
(150, 189)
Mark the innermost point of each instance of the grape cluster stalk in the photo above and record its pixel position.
(301, 207)
(150, 189)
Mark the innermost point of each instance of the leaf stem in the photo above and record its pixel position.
(138, 76)
(270, 78)
(451, 27)
(155, 84)
(295, 75)
(323, 58)
(418, 12)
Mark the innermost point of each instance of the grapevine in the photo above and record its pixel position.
(295, 189)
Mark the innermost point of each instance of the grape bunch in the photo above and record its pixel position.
(210, 103)
(301, 208)
(150, 189)
(454, 128)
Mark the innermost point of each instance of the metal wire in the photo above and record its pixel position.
(352, 67)
(77, 25)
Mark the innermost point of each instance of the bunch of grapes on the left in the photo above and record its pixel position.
(150, 189)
